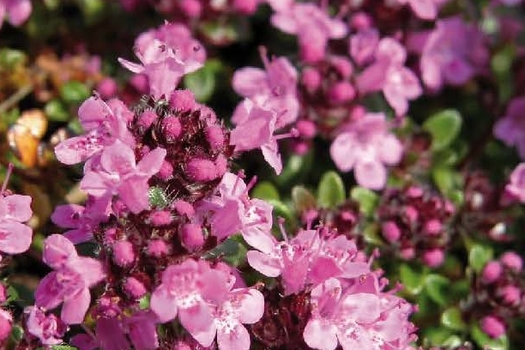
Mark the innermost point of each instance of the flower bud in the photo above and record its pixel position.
(171, 128)
(492, 326)
(341, 92)
(192, 237)
(134, 288)
(491, 272)
(123, 254)
(433, 257)
(512, 260)
(157, 248)
(391, 231)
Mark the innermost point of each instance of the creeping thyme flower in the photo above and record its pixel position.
(70, 281)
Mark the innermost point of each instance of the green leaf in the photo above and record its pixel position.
(12, 294)
(437, 336)
(74, 92)
(372, 236)
(478, 256)
(282, 210)
(144, 302)
(444, 127)
(56, 111)
(446, 179)
(157, 197)
(17, 333)
(10, 58)
(452, 319)
(437, 288)
(366, 198)
(63, 347)
(412, 278)
(303, 199)
(265, 190)
(203, 81)
(331, 190)
(486, 342)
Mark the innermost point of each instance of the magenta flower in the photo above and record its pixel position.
(183, 291)
(273, 88)
(366, 146)
(511, 128)
(424, 9)
(17, 11)
(118, 174)
(104, 123)
(341, 318)
(388, 74)
(307, 260)
(80, 220)
(358, 317)
(240, 306)
(48, 328)
(233, 211)
(70, 281)
(166, 54)
(140, 328)
(515, 189)
(452, 53)
(255, 129)
(15, 237)
(312, 26)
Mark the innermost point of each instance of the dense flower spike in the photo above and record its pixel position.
(177, 226)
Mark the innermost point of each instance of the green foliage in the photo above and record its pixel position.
(331, 191)
(478, 256)
(157, 197)
(451, 318)
(265, 190)
(203, 81)
(74, 92)
(303, 199)
(444, 127)
(412, 278)
(367, 199)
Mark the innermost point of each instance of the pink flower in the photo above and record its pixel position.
(17, 11)
(358, 317)
(452, 53)
(516, 187)
(366, 146)
(307, 260)
(255, 129)
(6, 325)
(424, 9)
(511, 128)
(166, 54)
(232, 310)
(273, 88)
(15, 237)
(233, 211)
(118, 173)
(363, 45)
(183, 291)
(80, 220)
(388, 74)
(140, 327)
(48, 328)
(70, 281)
(104, 123)
(312, 26)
